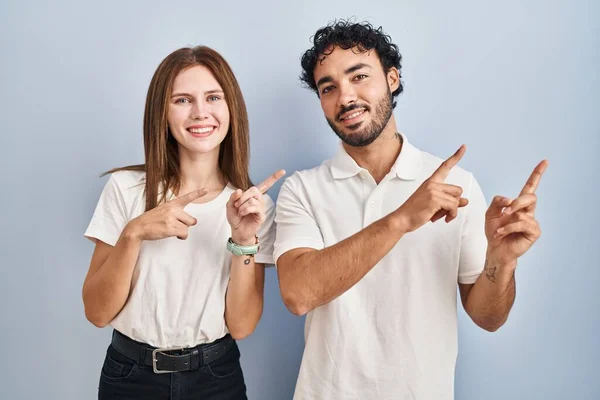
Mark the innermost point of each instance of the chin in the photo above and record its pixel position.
(353, 129)
(205, 149)
(199, 148)
(358, 133)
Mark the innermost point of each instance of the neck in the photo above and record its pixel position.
(379, 156)
(200, 171)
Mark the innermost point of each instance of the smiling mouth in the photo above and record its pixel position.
(353, 115)
(202, 132)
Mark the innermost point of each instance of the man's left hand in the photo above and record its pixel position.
(510, 226)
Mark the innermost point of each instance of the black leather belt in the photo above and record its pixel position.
(171, 360)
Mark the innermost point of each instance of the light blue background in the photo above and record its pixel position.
(517, 81)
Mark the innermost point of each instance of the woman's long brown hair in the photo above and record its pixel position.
(160, 147)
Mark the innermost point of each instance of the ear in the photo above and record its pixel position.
(393, 79)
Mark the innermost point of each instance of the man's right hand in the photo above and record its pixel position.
(434, 199)
(166, 220)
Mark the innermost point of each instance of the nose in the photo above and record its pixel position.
(347, 95)
(198, 111)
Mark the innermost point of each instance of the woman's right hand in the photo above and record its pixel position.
(166, 220)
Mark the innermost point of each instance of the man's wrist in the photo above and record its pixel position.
(499, 269)
(501, 261)
(398, 223)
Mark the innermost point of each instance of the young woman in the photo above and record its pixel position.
(177, 270)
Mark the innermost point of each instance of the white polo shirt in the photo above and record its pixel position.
(393, 335)
(177, 296)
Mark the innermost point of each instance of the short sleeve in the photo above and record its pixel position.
(296, 225)
(110, 217)
(266, 234)
(474, 243)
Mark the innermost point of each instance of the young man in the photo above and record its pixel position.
(371, 244)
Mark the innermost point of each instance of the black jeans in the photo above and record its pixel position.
(122, 378)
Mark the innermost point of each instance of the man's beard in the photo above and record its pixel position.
(367, 135)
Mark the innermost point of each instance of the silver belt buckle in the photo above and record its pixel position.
(154, 360)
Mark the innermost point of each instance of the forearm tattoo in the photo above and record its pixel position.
(490, 271)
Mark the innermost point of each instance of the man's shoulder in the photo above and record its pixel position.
(310, 176)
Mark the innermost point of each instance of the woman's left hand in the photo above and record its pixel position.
(246, 210)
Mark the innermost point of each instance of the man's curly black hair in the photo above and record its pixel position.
(347, 35)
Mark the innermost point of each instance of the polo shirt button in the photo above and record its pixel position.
(372, 204)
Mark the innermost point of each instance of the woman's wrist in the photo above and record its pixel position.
(243, 241)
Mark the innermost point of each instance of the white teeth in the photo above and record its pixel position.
(354, 115)
(202, 130)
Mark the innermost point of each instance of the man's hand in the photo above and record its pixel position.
(434, 199)
(510, 226)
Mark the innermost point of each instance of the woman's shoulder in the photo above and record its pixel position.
(128, 178)
(128, 183)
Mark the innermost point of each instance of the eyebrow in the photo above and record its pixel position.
(327, 78)
(189, 95)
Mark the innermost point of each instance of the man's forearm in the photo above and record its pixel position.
(492, 296)
(315, 277)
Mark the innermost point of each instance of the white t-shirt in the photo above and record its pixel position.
(177, 296)
(393, 335)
